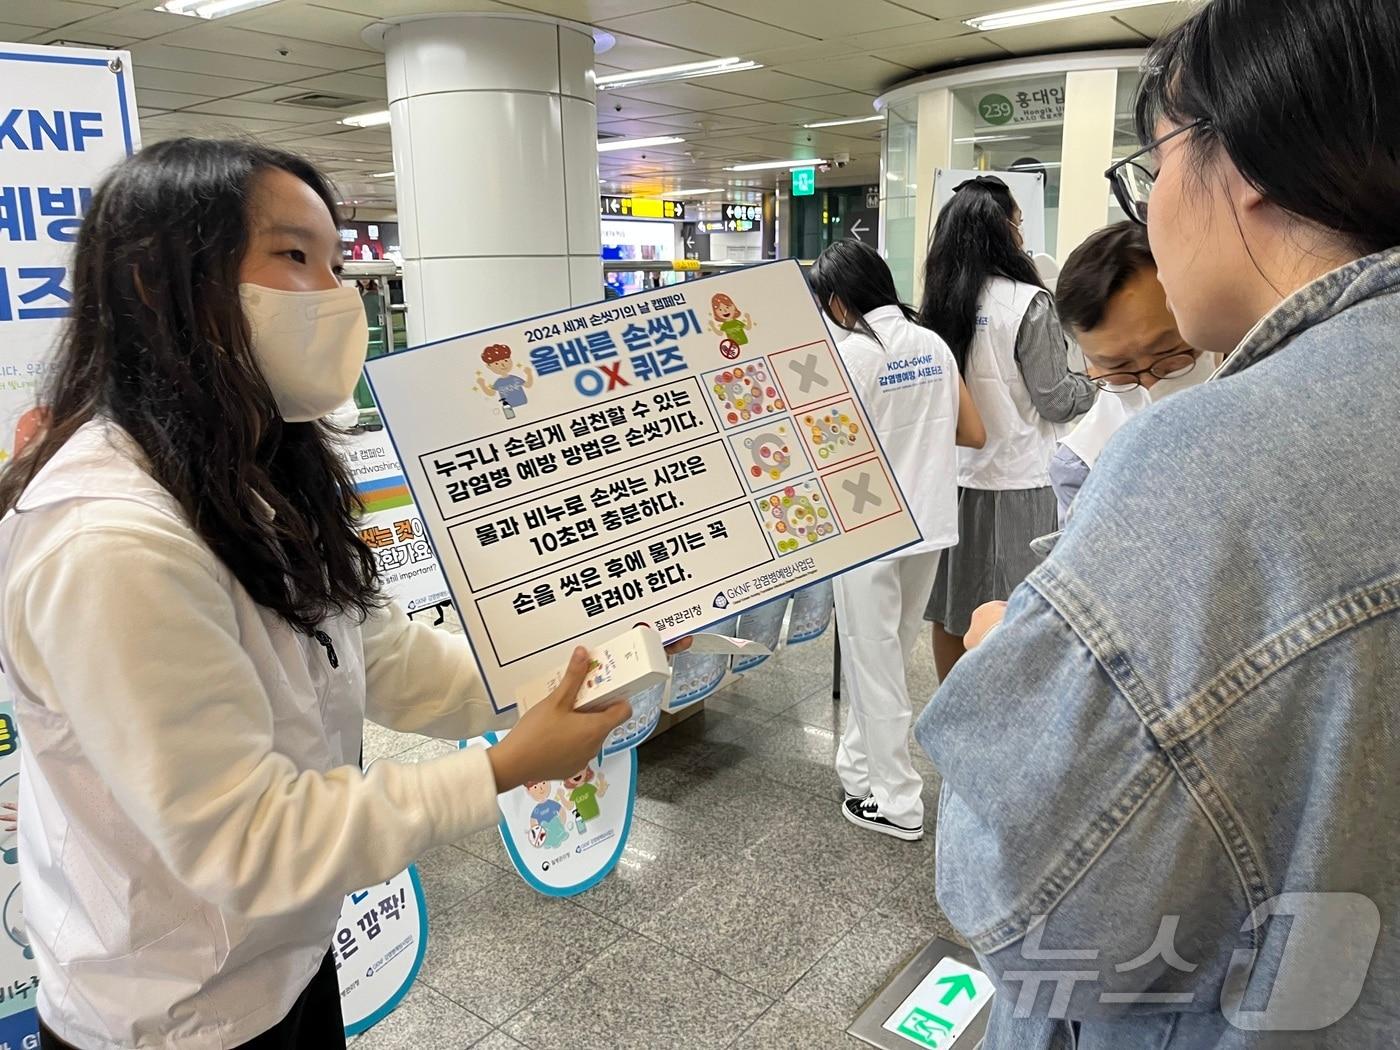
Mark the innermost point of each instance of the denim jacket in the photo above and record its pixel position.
(1170, 815)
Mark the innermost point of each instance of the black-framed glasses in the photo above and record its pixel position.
(1132, 177)
(1177, 364)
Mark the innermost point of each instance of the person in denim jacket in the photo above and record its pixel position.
(1171, 806)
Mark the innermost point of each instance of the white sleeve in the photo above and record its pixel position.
(423, 680)
(130, 633)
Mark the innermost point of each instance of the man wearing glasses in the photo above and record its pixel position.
(1111, 302)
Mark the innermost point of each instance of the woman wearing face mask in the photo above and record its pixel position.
(1174, 763)
(983, 296)
(921, 410)
(194, 634)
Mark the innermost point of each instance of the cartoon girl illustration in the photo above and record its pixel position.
(730, 324)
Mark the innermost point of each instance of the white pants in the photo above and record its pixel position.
(879, 613)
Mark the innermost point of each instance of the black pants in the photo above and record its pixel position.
(314, 1020)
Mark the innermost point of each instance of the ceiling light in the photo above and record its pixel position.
(609, 145)
(1035, 165)
(685, 71)
(991, 138)
(767, 165)
(382, 175)
(1029, 16)
(839, 123)
(210, 8)
(367, 120)
(692, 193)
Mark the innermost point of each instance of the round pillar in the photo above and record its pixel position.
(495, 132)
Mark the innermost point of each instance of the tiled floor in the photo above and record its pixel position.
(745, 912)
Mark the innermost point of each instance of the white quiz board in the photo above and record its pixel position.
(672, 458)
(1027, 187)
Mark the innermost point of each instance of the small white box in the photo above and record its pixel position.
(625, 666)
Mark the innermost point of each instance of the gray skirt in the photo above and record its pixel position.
(993, 554)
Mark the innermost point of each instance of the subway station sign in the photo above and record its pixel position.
(731, 217)
(641, 208)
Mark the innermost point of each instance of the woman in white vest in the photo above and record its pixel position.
(983, 296)
(921, 411)
(194, 632)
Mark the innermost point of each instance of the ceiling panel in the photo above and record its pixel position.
(1093, 31)
(305, 22)
(148, 76)
(140, 23)
(1156, 20)
(631, 52)
(238, 107)
(228, 40)
(856, 73)
(681, 94)
(926, 31)
(840, 104)
(47, 14)
(825, 20)
(679, 123)
(392, 8)
(592, 11)
(937, 54)
(367, 83)
(617, 107)
(765, 85)
(14, 33)
(634, 129)
(956, 9)
(777, 113)
(707, 29)
(167, 99)
(161, 55)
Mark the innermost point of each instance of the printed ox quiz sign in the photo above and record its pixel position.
(671, 458)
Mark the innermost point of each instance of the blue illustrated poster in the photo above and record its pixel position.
(379, 945)
(763, 625)
(811, 613)
(565, 836)
(695, 676)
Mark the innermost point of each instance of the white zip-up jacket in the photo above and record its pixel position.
(191, 808)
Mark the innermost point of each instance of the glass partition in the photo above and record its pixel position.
(899, 195)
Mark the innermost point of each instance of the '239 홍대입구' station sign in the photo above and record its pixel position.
(671, 458)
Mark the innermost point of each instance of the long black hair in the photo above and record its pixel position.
(855, 273)
(972, 243)
(158, 343)
(1300, 94)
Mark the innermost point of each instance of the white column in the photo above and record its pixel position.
(1090, 101)
(495, 133)
(934, 151)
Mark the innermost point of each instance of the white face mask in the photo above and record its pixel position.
(1175, 383)
(309, 346)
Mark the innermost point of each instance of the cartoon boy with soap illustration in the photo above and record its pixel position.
(547, 829)
(508, 388)
(580, 792)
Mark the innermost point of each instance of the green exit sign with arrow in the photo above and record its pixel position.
(804, 182)
(939, 1010)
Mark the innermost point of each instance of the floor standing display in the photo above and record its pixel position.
(68, 114)
(674, 458)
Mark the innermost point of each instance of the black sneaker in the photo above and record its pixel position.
(865, 813)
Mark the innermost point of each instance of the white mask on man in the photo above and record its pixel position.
(1185, 379)
(309, 346)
